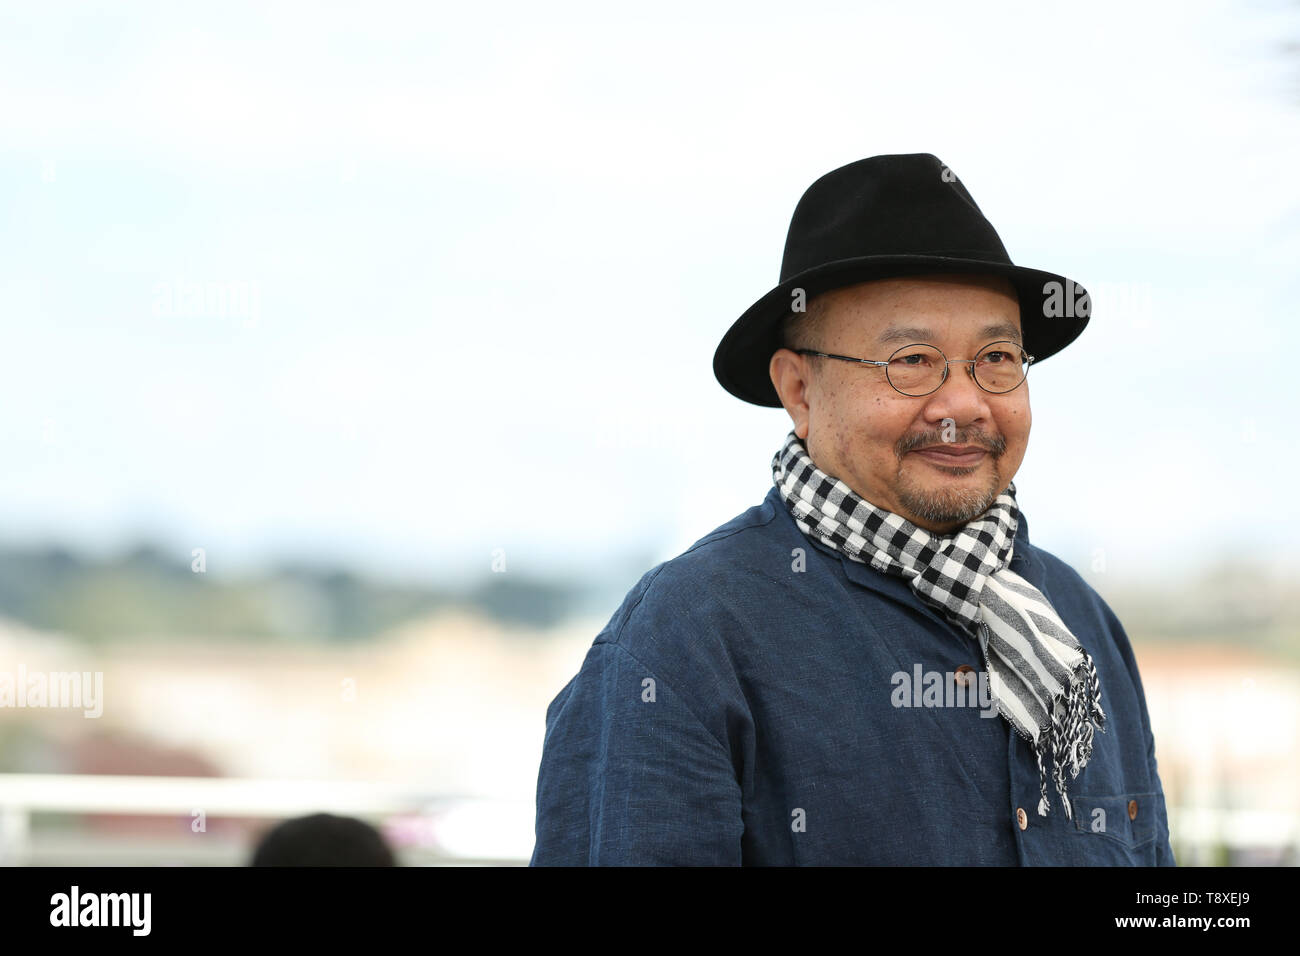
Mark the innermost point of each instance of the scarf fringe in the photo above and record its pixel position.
(1075, 715)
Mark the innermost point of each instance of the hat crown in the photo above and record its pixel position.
(892, 205)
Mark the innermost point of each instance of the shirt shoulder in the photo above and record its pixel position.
(1072, 595)
(676, 612)
(1061, 582)
(728, 548)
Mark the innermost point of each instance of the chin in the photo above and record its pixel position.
(962, 498)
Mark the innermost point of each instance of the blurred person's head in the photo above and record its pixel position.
(890, 448)
(323, 839)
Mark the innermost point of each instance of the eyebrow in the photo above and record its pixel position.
(907, 334)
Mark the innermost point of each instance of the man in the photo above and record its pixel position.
(874, 665)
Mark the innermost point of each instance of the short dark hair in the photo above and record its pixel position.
(798, 329)
(323, 839)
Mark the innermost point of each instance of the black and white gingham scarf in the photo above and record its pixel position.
(1036, 667)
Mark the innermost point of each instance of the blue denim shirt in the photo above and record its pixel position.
(744, 705)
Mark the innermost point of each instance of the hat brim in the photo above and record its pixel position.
(744, 355)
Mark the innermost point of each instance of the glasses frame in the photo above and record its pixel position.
(1029, 360)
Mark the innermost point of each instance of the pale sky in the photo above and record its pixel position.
(486, 253)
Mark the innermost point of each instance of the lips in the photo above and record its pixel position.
(953, 456)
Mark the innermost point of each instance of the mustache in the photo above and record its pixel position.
(995, 445)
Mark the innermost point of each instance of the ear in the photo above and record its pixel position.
(791, 375)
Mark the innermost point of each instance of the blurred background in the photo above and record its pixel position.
(351, 354)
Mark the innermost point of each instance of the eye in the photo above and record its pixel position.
(912, 358)
(1011, 356)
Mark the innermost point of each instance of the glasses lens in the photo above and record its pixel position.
(1000, 367)
(916, 369)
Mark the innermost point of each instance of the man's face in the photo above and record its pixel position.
(889, 447)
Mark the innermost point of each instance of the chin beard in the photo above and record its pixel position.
(944, 506)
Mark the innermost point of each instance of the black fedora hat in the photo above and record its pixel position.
(886, 217)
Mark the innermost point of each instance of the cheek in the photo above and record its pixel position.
(1014, 423)
(867, 426)
(883, 423)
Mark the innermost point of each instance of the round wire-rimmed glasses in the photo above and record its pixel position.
(919, 369)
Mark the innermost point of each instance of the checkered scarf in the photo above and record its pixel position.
(1036, 667)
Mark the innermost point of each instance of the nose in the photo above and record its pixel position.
(959, 397)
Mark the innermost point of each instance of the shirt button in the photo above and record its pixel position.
(1021, 817)
(964, 675)
(1132, 809)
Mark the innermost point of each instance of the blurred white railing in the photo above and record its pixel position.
(462, 830)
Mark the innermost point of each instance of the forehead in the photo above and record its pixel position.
(926, 308)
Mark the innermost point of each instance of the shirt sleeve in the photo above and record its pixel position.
(630, 776)
(1164, 850)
